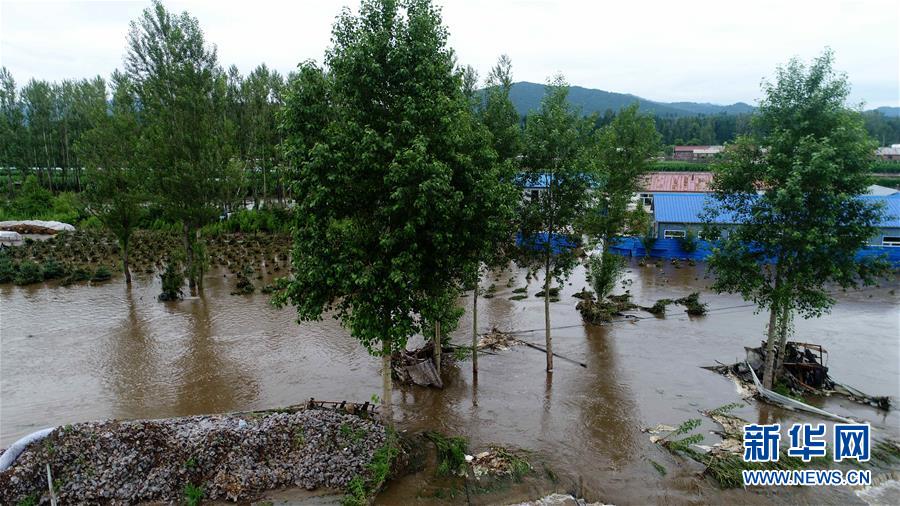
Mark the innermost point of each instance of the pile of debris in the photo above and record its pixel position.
(496, 340)
(804, 372)
(226, 457)
(499, 462)
(36, 227)
(417, 366)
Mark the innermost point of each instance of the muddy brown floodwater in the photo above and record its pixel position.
(70, 354)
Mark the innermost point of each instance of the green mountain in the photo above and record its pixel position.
(527, 97)
(891, 112)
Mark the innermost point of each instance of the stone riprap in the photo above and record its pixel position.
(229, 457)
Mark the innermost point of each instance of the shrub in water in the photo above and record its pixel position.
(101, 274)
(29, 272)
(688, 243)
(172, 282)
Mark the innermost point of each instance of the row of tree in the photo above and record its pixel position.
(408, 184)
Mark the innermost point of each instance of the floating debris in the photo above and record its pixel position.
(804, 372)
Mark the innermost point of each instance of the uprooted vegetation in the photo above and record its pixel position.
(484, 472)
(599, 312)
(723, 461)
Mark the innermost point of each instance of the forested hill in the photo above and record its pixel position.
(687, 122)
(527, 97)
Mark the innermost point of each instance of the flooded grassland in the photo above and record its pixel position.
(77, 353)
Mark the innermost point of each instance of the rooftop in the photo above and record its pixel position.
(689, 208)
(677, 182)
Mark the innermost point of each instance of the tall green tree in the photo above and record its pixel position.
(811, 157)
(37, 98)
(12, 130)
(556, 139)
(387, 216)
(499, 116)
(115, 186)
(619, 158)
(184, 138)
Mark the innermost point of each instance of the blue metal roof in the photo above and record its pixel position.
(684, 208)
(689, 208)
(891, 209)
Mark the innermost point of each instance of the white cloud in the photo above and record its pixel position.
(700, 51)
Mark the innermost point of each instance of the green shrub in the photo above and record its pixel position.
(451, 453)
(688, 243)
(648, 240)
(91, 223)
(172, 282)
(8, 270)
(28, 273)
(604, 271)
(53, 269)
(101, 274)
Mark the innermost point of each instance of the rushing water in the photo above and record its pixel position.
(78, 353)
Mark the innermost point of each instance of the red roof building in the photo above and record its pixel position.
(677, 182)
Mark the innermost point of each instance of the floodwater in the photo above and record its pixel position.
(78, 353)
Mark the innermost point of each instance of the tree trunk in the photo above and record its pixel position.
(437, 348)
(782, 339)
(387, 413)
(475, 330)
(769, 369)
(189, 258)
(547, 311)
(772, 340)
(125, 262)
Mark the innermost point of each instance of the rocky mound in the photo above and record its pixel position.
(228, 457)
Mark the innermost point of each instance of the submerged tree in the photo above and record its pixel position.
(184, 137)
(618, 160)
(803, 232)
(555, 141)
(387, 177)
(115, 189)
(499, 116)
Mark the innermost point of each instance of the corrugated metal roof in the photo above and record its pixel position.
(689, 208)
(683, 208)
(891, 209)
(690, 182)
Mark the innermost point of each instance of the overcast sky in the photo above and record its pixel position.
(703, 51)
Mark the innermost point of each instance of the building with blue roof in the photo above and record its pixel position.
(677, 215)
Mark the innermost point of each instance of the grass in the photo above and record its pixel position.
(31, 500)
(524, 289)
(362, 489)
(193, 494)
(451, 453)
(354, 435)
(518, 297)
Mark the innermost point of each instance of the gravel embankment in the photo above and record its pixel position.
(230, 457)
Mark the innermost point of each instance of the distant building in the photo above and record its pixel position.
(695, 153)
(891, 154)
(676, 215)
(673, 182)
